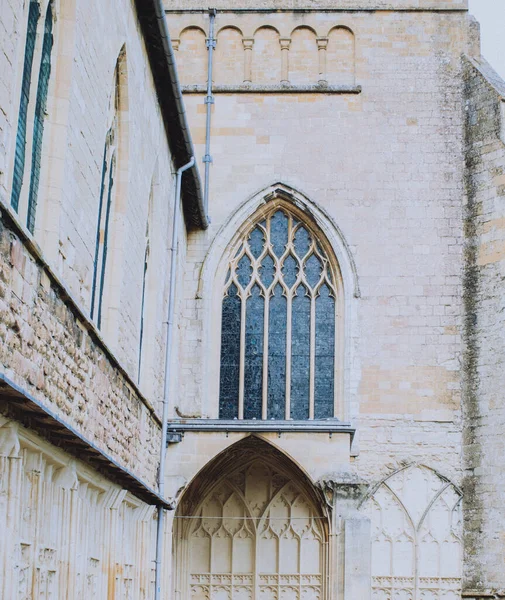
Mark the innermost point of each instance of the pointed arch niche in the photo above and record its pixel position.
(416, 541)
(283, 288)
(251, 526)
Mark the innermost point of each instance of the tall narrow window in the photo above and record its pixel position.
(279, 319)
(145, 281)
(105, 203)
(102, 233)
(40, 112)
(20, 152)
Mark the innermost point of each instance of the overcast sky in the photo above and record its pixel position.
(491, 16)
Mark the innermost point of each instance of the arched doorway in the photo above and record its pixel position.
(251, 527)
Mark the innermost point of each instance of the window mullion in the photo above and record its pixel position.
(312, 353)
(288, 354)
(242, 355)
(266, 321)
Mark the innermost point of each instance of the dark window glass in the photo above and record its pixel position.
(230, 355)
(325, 355)
(281, 275)
(20, 153)
(253, 368)
(40, 112)
(300, 355)
(277, 355)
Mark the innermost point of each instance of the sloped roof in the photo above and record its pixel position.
(154, 28)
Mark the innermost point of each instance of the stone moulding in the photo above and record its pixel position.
(317, 88)
(23, 407)
(474, 595)
(268, 7)
(330, 426)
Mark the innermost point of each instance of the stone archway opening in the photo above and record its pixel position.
(251, 526)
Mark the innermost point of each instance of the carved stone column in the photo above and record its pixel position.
(10, 485)
(322, 45)
(350, 537)
(285, 43)
(248, 46)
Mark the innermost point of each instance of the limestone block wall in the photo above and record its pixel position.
(485, 269)
(385, 165)
(48, 349)
(81, 93)
(102, 381)
(66, 531)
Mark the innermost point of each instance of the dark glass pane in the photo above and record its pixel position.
(324, 385)
(313, 268)
(277, 355)
(244, 270)
(279, 232)
(20, 151)
(40, 112)
(253, 373)
(267, 270)
(300, 355)
(256, 242)
(290, 270)
(230, 356)
(302, 241)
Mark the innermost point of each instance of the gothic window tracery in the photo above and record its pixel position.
(279, 322)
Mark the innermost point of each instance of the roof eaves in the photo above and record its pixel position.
(153, 24)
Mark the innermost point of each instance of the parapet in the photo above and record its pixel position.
(318, 5)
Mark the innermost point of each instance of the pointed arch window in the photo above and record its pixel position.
(113, 162)
(280, 318)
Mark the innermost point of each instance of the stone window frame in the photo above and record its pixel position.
(212, 276)
(108, 256)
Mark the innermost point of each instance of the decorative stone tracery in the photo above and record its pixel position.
(416, 537)
(256, 534)
(280, 322)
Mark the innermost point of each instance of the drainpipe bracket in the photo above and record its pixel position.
(174, 437)
(209, 99)
(207, 158)
(210, 43)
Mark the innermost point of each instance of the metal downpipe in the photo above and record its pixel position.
(209, 101)
(168, 373)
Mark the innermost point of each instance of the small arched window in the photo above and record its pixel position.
(280, 321)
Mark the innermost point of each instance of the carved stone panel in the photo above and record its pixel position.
(256, 536)
(416, 537)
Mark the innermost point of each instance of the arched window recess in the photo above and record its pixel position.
(281, 346)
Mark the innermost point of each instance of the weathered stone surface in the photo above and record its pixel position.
(484, 446)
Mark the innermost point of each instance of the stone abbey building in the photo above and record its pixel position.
(252, 264)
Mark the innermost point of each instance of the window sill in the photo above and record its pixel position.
(178, 427)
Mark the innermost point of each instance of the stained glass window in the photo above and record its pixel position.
(278, 324)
